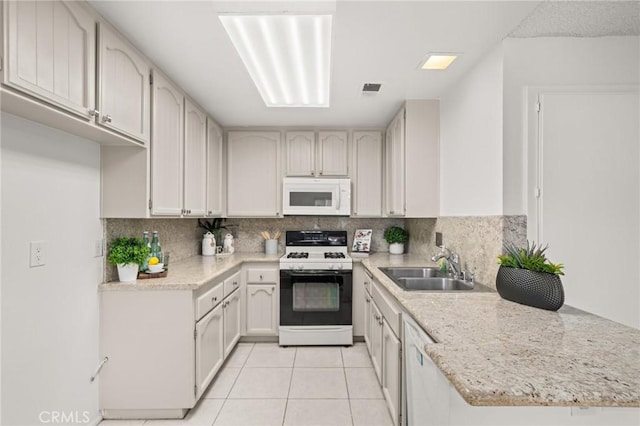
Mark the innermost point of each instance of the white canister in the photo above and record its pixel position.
(208, 244)
(227, 244)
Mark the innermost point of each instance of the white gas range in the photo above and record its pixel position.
(316, 289)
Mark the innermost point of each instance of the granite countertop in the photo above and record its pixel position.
(191, 273)
(497, 352)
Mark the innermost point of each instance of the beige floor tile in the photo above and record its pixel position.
(223, 383)
(363, 383)
(271, 355)
(356, 356)
(317, 412)
(316, 356)
(239, 355)
(367, 412)
(248, 412)
(203, 414)
(261, 383)
(319, 383)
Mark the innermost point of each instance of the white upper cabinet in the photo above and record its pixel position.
(253, 174)
(51, 53)
(123, 94)
(195, 160)
(214, 169)
(332, 154)
(326, 157)
(367, 174)
(166, 147)
(412, 180)
(300, 147)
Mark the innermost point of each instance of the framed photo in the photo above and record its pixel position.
(362, 241)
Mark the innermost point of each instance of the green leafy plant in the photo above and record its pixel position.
(126, 250)
(395, 234)
(531, 257)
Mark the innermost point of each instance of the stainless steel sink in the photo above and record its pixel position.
(433, 284)
(426, 279)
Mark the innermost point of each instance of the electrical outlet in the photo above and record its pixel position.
(38, 253)
(438, 239)
(98, 249)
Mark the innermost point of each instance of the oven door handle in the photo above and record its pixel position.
(315, 272)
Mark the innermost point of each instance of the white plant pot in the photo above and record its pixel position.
(396, 248)
(127, 272)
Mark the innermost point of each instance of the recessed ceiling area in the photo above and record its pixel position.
(373, 41)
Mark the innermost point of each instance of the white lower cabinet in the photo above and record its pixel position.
(164, 346)
(391, 371)
(375, 321)
(262, 301)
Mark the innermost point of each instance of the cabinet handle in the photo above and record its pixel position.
(368, 300)
(235, 283)
(320, 172)
(106, 118)
(93, 112)
(210, 212)
(380, 322)
(261, 277)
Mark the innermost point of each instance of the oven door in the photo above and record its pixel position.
(316, 297)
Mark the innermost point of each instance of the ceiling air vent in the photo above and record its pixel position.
(371, 89)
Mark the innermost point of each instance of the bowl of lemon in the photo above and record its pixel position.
(155, 265)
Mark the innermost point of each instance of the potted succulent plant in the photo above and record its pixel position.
(396, 237)
(128, 254)
(526, 276)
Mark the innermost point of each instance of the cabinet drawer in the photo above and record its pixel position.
(262, 276)
(231, 284)
(208, 300)
(388, 307)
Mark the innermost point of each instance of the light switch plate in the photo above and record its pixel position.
(37, 253)
(438, 239)
(98, 248)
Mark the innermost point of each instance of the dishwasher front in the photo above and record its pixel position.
(426, 388)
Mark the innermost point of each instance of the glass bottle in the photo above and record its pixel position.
(145, 239)
(155, 246)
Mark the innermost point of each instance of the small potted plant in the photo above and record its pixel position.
(526, 276)
(128, 254)
(396, 237)
(214, 226)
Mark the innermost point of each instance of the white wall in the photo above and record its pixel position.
(554, 62)
(471, 142)
(50, 191)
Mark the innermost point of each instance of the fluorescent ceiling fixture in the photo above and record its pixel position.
(287, 56)
(438, 61)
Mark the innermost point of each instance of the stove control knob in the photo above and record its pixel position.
(291, 266)
(340, 265)
(331, 266)
(300, 267)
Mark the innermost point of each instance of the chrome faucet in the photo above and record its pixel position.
(452, 260)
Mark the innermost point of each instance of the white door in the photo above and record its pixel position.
(590, 196)
(367, 320)
(391, 372)
(367, 174)
(214, 169)
(376, 339)
(51, 53)
(209, 348)
(195, 160)
(123, 87)
(231, 322)
(262, 309)
(395, 185)
(300, 154)
(253, 174)
(332, 154)
(166, 148)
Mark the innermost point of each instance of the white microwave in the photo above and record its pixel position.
(309, 196)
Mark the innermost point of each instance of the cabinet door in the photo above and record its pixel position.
(367, 174)
(332, 154)
(253, 174)
(123, 94)
(231, 306)
(51, 53)
(209, 348)
(395, 185)
(391, 372)
(195, 160)
(367, 320)
(300, 154)
(262, 310)
(166, 147)
(375, 320)
(214, 169)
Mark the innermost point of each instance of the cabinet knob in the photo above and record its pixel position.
(93, 112)
(235, 283)
(214, 299)
(106, 118)
(210, 212)
(261, 277)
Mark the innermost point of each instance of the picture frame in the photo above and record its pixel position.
(362, 241)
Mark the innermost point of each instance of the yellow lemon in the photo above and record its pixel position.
(153, 260)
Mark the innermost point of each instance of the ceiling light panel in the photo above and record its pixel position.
(438, 61)
(287, 56)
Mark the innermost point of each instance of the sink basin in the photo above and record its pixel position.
(433, 284)
(407, 272)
